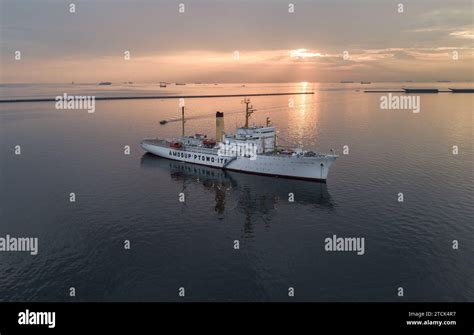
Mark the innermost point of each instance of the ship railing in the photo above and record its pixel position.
(163, 143)
(200, 150)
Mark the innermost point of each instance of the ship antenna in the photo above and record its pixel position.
(248, 111)
(182, 121)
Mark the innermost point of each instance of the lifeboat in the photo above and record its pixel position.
(175, 145)
(209, 142)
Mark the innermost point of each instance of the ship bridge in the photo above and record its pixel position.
(258, 139)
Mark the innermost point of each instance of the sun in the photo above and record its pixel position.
(304, 53)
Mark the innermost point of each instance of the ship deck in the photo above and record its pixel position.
(155, 141)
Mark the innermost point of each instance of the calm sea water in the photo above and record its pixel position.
(135, 197)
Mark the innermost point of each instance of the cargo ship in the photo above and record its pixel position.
(252, 149)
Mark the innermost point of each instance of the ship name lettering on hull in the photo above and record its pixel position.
(199, 157)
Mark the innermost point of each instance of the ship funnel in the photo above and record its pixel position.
(219, 126)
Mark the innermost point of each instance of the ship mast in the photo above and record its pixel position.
(182, 121)
(248, 111)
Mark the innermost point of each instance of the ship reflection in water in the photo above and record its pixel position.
(255, 193)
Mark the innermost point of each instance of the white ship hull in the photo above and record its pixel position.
(273, 164)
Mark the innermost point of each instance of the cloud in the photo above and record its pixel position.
(199, 45)
(469, 34)
(260, 66)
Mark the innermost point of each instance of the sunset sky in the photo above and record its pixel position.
(200, 44)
